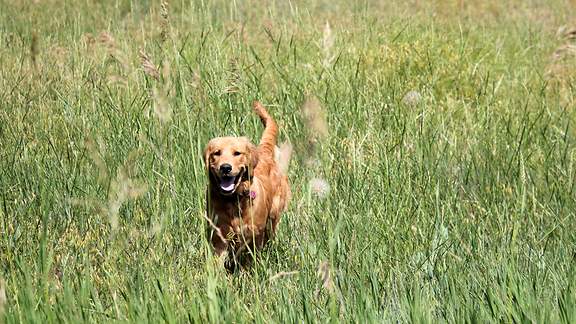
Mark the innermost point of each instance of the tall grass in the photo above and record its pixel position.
(433, 169)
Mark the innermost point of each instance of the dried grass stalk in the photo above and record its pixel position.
(315, 118)
(165, 22)
(148, 66)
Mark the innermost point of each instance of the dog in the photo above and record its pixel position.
(247, 192)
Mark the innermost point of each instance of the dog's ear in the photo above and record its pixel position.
(206, 155)
(253, 156)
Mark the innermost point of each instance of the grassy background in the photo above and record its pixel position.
(453, 203)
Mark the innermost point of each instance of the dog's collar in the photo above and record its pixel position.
(249, 193)
(244, 190)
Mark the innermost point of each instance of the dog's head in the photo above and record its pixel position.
(229, 160)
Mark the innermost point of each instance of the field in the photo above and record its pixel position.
(433, 173)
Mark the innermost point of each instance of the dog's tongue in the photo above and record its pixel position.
(227, 183)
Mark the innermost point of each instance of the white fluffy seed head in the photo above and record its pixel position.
(319, 187)
(412, 98)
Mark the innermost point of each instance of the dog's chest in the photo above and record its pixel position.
(228, 211)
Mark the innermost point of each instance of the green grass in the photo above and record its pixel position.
(456, 207)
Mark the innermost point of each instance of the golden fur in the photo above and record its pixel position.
(246, 192)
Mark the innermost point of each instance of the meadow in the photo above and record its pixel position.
(433, 172)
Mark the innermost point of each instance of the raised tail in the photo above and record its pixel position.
(268, 140)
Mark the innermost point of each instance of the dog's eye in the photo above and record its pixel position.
(216, 153)
(237, 153)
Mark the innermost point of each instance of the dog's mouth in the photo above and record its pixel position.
(229, 183)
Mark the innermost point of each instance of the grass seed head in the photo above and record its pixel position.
(412, 98)
(319, 187)
(327, 44)
(165, 23)
(234, 79)
(284, 155)
(162, 108)
(148, 66)
(88, 39)
(166, 74)
(315, 119)
(107, 40)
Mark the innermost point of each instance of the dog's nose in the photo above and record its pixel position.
(225, 168)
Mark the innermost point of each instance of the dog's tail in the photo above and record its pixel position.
(268, 140)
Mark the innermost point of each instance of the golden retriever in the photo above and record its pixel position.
(246, 192)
